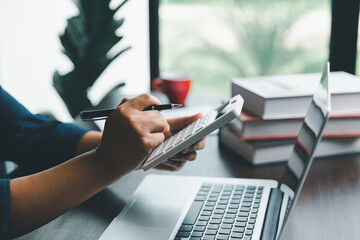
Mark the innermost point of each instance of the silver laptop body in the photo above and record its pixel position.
(183, 207)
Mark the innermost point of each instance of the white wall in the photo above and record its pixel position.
(30, 51)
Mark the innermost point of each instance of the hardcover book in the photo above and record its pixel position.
(251, 127)
(274, 151)
(277, 97)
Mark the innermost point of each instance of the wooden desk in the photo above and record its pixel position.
(328, 208)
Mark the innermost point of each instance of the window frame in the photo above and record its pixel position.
(154, 38)
(343, 38)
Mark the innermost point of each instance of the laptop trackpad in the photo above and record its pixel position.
(152, 213)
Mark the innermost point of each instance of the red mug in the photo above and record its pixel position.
(175, 86)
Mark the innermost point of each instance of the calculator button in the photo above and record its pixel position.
(182, 133)
(155, 152)
(199, 128)
(178, 142)
(152, 155)
(171, 143)
(190, 130)
(164, 145)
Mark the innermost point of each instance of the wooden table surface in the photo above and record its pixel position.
(328, 208)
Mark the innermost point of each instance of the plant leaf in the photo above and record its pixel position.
(86, 41)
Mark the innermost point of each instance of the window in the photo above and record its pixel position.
(30, 52)
(216, 40)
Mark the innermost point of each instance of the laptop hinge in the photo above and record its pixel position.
(272, 214)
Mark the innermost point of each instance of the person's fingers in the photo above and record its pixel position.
(143, 101)
(177, 124)
(176, 165)
(177, 162)
(124, 100)
(197, 146)
(165, 168)
(153, 139)
(184, 157)
(157, 123)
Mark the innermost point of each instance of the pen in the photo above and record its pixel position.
(104, 113)
(162, 107)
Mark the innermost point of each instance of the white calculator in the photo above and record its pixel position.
(195, 132)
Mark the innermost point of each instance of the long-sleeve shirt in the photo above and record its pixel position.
(33, 143)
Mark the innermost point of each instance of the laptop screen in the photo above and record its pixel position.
(309, 136)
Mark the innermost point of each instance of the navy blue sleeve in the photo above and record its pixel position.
(4, 206)
(32, 141)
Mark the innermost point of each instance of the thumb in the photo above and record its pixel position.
(177, 124)
(124, 100)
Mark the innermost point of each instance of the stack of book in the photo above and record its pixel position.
(274, 110)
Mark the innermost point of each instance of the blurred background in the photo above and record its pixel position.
(30, 52)
(217, 40)
(213, 40)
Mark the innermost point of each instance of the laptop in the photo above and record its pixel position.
(208, 208)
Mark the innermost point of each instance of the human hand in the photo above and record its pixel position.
(130, 134)
(189, 154)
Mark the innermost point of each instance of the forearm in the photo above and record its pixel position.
(88, 142)
(129, 136)
(41, 197)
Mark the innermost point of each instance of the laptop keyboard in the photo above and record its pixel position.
(222, 212)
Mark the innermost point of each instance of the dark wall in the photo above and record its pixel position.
(154, 38)
(344, 31)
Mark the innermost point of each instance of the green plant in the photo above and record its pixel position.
(87, 40)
